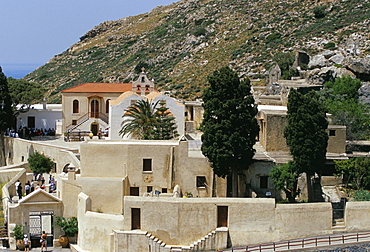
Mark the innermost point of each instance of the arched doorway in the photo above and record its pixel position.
(94, 128)
(94, 109)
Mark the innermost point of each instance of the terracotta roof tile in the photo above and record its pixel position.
(100, 88)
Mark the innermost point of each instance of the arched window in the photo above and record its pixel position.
(107, 106)
(76, 106)
(138, 89)
(147, 89)
(142, 79)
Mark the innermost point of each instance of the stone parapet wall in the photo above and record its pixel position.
(187, 220)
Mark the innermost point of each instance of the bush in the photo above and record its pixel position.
(200, 31)
(330, 46)
(319, 11)
(362, 195)
(273, 37)
(68, 226)
(18, 232)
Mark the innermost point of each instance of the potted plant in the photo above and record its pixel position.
(18, 235)
(70, 228)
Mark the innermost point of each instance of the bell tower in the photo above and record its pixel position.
(143, 86)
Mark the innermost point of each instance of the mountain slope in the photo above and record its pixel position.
(180, 44)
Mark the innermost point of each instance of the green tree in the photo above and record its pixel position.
(355, 171)
(165, 127)
(230, 127)
(24, 93)
(306, 134)
(342, 101)
(39, 163)
(285, 178)
(6, 114)
(144, 120)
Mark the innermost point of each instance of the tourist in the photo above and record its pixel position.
(16, 184)
(27, 187)
(43, 241)
(19, 190)
(26, 243)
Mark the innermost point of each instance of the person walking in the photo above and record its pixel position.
(19, 190)
(43, 241)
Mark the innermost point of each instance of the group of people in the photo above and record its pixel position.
(27, 133)
(30, 186)
(43, 242)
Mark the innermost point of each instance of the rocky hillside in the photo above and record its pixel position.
(180, 44)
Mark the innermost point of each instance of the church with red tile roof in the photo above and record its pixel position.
(100, 106)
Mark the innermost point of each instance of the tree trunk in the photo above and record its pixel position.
(310, 195)
(2, 149)
(234, 183)
(214, 188)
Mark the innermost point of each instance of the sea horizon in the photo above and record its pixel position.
(19, 70)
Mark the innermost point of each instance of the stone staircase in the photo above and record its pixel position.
(209, 242)
(339, 226)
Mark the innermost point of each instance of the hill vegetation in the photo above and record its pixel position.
(180, 44)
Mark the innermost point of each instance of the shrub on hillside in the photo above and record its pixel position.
(319, 11)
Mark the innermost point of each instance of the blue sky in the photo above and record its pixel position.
(33, 31)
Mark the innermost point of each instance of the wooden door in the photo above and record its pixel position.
(94, 109)
(222, 216)
(135, 218)
(31, 122)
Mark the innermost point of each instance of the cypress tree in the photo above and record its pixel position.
(230, 127)
(306, 134)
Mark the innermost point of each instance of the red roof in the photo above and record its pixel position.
(100, 88)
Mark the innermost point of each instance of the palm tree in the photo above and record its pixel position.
(139, 120)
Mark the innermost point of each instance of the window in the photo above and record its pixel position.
(74, 122)
(138, 89)
(201, 181)
(22, 158)
(134, 191)
(107, 106)
(147, 90)
(164, 190)
(149, 189)
(75, 106)
(264, 181)
(147, 165)
(332, 133)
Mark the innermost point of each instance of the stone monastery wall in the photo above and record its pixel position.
(183, 221)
